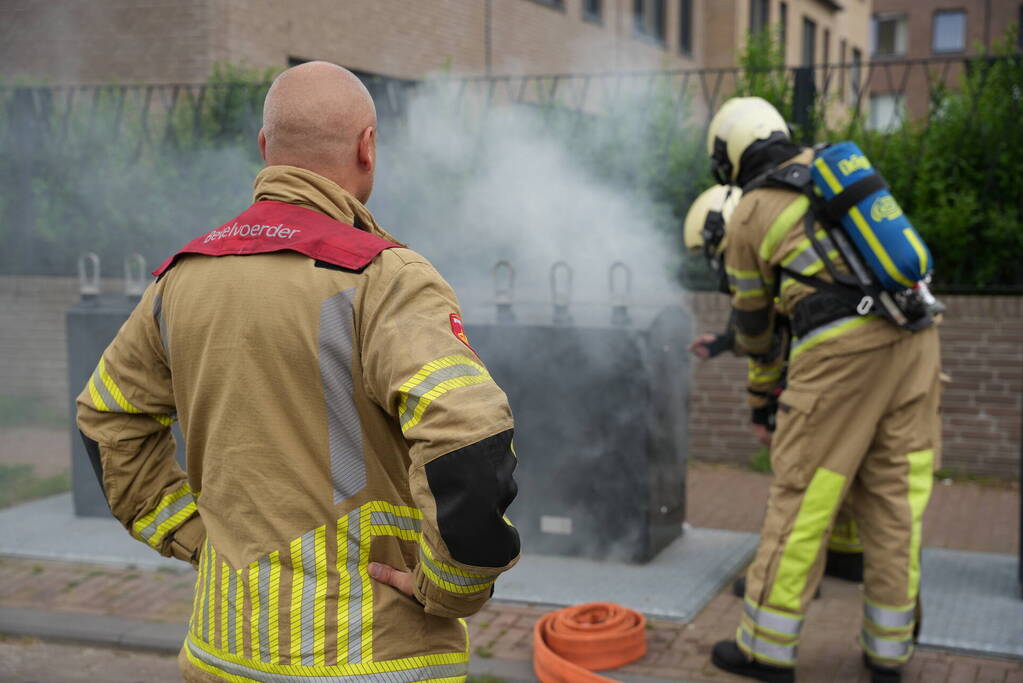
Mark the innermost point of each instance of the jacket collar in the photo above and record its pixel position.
(304, 188)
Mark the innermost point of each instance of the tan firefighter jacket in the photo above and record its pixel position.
(332, 417)
(766, 232)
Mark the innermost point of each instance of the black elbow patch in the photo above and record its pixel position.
(473, 487)
(92, 448)
(753, 323)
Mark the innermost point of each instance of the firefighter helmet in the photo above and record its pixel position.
(739, 124)
(704, 227)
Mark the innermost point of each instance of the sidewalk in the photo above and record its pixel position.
(147, 609)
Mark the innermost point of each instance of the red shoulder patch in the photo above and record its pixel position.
(459, 331)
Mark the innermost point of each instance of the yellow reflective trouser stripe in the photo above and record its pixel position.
(222, 606)
(765, 649)
(781, 225)
(829, 331)
(108, 397)
(172, 510)
(891, 649)
(764, 618)
(433, 380)
(231, 667)
(745, 283)
(921, 477)
(256, 644)
(759, 374)
(820, 500)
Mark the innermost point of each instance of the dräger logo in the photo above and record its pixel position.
(246, 230)
(854, 163)
(884, 207)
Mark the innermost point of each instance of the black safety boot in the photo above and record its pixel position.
(881, 674)
(727, 656)
(845, 566)
(739, 588)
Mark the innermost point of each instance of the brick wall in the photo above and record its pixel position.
(982, 350)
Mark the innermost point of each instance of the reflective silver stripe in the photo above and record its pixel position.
(431, 381)
(165, 514)
(264, 610)
(773, 621)
(355, 589)
(391, 519)
(344, 429)
(883, 648)
(232, 613)
(807, 261)
(112, 405)
(158, 314)
(888, 618)
(421, 673)
(308, 568)
(745, 284)
(774, 652)
(822, 329)
(483, 582)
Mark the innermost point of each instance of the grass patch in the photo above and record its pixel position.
(958, 475)
(19, 483)
(483, 652)
(29, 411)
(761, 460)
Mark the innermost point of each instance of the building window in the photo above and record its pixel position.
(826, 57)
(886, 111)
(809, 41)
(649, 18)
(759, 15)
(593, 10)
(783, 26)
(888, 35)
(949, 31)
(557, 4)
(685, 27)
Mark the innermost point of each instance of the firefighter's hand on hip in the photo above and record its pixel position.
(392, 577)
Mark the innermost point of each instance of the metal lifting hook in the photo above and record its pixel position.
(88, 283)
(620, 288)
(134, 276)
(561, 292)
(504, 284)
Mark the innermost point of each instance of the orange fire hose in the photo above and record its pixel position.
(569, 644)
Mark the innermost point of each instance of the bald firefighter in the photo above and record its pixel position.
(859, 413)
(349, 457)
(705, 231)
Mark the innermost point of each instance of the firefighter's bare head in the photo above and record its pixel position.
(319, 116)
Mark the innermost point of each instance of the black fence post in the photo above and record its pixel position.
(804, 98)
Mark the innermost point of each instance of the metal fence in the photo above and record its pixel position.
(889, 104)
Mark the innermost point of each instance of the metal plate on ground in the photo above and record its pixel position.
(676, 584)
(971, 602)
(47, 529)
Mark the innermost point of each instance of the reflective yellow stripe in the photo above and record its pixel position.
(820, 500)
(172, 510)
(921, 478)
(224, 605)
(781, 225)
(365, 538)
(274, 610)
(295, 615)
(108, 398)
(433, 380)
(918, 247)
(114, 390)
(97, 400)
(209, 610)
(320, 599)
(343, 590)
(829, 331)
(759, 374)
(879, 251)
(198, 592)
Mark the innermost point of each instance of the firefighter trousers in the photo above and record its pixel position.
(864, 424)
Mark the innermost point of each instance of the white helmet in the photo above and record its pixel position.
(740, 123)
(706, 220)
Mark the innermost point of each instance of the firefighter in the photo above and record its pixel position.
(349, 457)
(859, 414)
(705, 231)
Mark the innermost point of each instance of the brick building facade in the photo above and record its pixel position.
(943, 31)
(179, 41)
